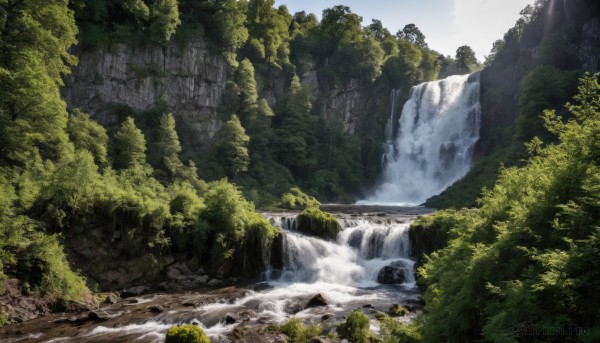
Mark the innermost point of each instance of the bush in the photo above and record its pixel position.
(313, 221)
(396, 332)
(397, 310)
(296, 199)
(356, 328)
(298, 332)
(186, 334)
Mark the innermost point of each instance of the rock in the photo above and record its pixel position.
(263, 286)
(230, 319)
(134, 291)
(316, 301)
(367, 306)
(134, 301)
(392, 274)
(68, 306)
(156, 309)
(189, 304)
(326, 317)
(214, 282)
(111, 298)
(101, 315)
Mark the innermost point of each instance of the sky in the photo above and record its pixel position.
(446, 24)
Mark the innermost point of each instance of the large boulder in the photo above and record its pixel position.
(392, 274)
(313, 221)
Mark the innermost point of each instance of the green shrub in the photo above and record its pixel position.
(393, 331)
(397, 310)
(296, 199)
(313, 221)
(186, 334)
(355, 328)
(298, 332)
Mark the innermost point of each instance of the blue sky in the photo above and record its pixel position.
(447, 24)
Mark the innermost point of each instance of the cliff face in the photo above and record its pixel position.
(191, 81)
(188, 78)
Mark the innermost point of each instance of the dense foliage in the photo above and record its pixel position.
(62, 177)
(529, 255)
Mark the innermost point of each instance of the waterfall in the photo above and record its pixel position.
(433, 147)
(366, 253)
(389, 148)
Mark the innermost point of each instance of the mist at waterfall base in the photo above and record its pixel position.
(434, 141)
(344, 272)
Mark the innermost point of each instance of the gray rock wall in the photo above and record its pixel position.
(189, 78)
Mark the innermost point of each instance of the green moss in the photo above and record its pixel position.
(355, 328)
(186, 334)
(297, 332)
(313, 221)
(296, 199)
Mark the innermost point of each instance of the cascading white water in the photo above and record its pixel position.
(356, 259)
(437, 132)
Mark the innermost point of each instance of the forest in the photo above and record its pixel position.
(522, 227)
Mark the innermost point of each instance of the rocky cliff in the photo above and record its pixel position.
(189, 79)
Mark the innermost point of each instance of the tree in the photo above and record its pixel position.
(232, 147)
(465, 59)
(164, 21)
(168, 146)
(339, 25)
(270, 27)
(88, 135)
(130, 146)
(412, 34)
(34, 43)
(247, 85)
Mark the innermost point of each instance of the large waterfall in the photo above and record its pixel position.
(433, 146)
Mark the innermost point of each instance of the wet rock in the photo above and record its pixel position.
(134, 301)
(134, 291)
(263, 286)
(101, 315)
(367, 306)
(68, 306)
(230, 319)
(316, 301)
(392, 274)
(111, 298)
(326, 317)
(156, 309)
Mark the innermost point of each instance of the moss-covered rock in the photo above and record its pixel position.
(315, 222)
(186, 334)
(295, 199)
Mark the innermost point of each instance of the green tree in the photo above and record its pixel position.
(34, 44)
(338, 25)
(164, 20)
(130, 146)
(412, 34)
(232, 147)
(270, 28)
(168, 147)
(86, 134)
(247, 85)
(465, 59)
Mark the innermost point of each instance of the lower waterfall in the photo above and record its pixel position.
(433, 146)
